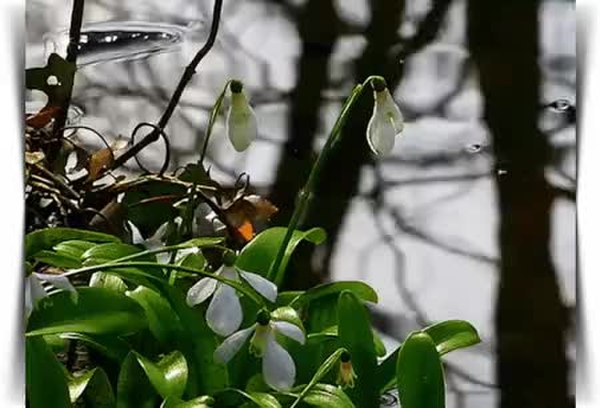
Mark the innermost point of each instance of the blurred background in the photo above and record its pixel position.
(473, 214)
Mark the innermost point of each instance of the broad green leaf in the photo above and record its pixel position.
(57, 260)
(328, 396)
(285, 298)
(95, 388)
(202, 242)
(134, 389)
(97, 311)
(258, 255)
(356, 335)
(73, 248)
(450, 335)
(419, 373)
(447, 336)
(359, 289)
(196, 261)
(331, 333)
(104, 253)
(162, 320)
(45, 379)
(46, 239)
(108, 281)
(379, 346)
(287, 314)
(111, 346)
(168, 376)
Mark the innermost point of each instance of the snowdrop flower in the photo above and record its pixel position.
(241, 120)
(35, 292)
(278, 368)
(224, 313)
(386, 122)
(346, 374)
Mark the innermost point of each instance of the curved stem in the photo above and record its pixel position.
(305, 194)
(234, 284)
(213, 118)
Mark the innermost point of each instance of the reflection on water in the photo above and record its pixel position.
(119, 40)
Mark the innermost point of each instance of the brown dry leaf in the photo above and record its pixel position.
(246, 211)
(43, 117)
(99, 160)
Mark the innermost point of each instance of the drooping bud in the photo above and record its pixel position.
(386, 122)
(241, 121)
(346, 374)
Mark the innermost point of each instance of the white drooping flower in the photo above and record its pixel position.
(278, 368)
(35, 292)
(241, 122)
(224, 314)
(386, 122)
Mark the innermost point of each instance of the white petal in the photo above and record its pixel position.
(278, 367)
(224, 314)
(201, 291)
(262, 285)
(241, 122)
(381, 134)
(58, 281)
(290, 330)
(232, 345)
(387, 106)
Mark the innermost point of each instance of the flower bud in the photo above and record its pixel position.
(346, 374)
(241, 120)
(386, 121)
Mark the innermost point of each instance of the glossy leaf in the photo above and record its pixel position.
(110, 346)
(104, 253)
(46, 383)
(162, 320)
(199, 402)
(360, 289)
(452, 335)
(57, 260)
(97, 311)
(287, 314)
(108, 281)
(355, 334)
(327, 396)
(46, 239)
(447, 336)
(95, 388)
(419, 373)
(258, 255)
(234, 397)
(73, 248)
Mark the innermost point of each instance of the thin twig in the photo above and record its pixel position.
(185, 79)
(72, 50)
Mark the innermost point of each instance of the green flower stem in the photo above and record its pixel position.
(305, 195)
(234, 284)
(166, 248)
(213, 118)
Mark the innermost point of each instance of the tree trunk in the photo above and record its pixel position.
(530, 318)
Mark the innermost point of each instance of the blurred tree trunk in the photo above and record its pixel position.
(530, 317)
(319, 29)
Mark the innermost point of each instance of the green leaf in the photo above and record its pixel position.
(199, 402)
(360, 289)
(107, 280)
(356, 335)
(57, 260)
(95, 388)
(202, 242)
(419, 373)
(447, 336)
(105, 253)
(73, 248)
(162, 320)
(168, 378)
(196, 261)
(379, 346)
(258, 255)
(47, 238)
(452, 334)
(287, 314)
(45, 377)
(97, 311)
(327, 396)
(331, 333)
